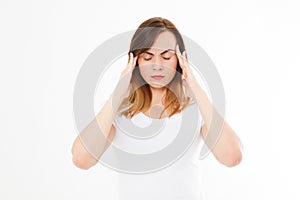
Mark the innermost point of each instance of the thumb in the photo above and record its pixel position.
(187, 88)
(184, 83)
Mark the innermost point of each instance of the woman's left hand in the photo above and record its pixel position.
(189, 80)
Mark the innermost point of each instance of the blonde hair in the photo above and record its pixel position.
(140, 94)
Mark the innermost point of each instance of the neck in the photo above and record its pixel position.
(157, 95)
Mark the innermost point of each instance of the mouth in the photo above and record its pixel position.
(157, 77)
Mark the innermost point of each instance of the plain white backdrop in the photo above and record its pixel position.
(254, 45)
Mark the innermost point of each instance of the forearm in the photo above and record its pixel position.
(216, 132)
(214, 123)
(106, 115)
(93, 138)
(205, 107)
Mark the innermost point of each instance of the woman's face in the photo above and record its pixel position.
(158, 64)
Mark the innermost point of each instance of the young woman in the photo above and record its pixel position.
(159, 84)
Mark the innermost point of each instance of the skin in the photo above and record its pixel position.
(226, 149)
(160, 59)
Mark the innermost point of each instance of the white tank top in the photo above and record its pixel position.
(180, 180)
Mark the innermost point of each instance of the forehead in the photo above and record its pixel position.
(165, 40)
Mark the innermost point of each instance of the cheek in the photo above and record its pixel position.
(144, 71)
(139, 61)
(172, 64)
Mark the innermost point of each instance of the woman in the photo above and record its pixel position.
(159, 84)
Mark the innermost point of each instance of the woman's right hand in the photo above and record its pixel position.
(122, 88)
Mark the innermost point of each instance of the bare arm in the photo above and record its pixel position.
(227, 147)
(92, 142)
(221, 140)
(224, 144)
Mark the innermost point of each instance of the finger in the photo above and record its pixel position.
(130, 57)
(136, 57)
(185, 54)
(186, 62)
(184, 82)
(179, 55)
(178, 50)
(129, 65)
(187, 92)
(129, 62)
(182, 62)
(184, 74)
(134, 62)
(184, 57)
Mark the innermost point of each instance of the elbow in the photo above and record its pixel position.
(81, 163)
(82, 159)
(230, 158)
(233, 159)
(233, 153)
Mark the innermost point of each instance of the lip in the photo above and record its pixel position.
(157, 77)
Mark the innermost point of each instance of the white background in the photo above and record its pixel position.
(254, 45)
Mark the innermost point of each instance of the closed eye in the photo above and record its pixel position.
(168, 55)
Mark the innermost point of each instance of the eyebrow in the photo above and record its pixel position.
(165, 51)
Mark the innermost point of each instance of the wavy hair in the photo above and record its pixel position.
(140, 94)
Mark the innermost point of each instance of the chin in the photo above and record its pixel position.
(158, 86)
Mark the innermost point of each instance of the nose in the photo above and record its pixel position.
(157, 64)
